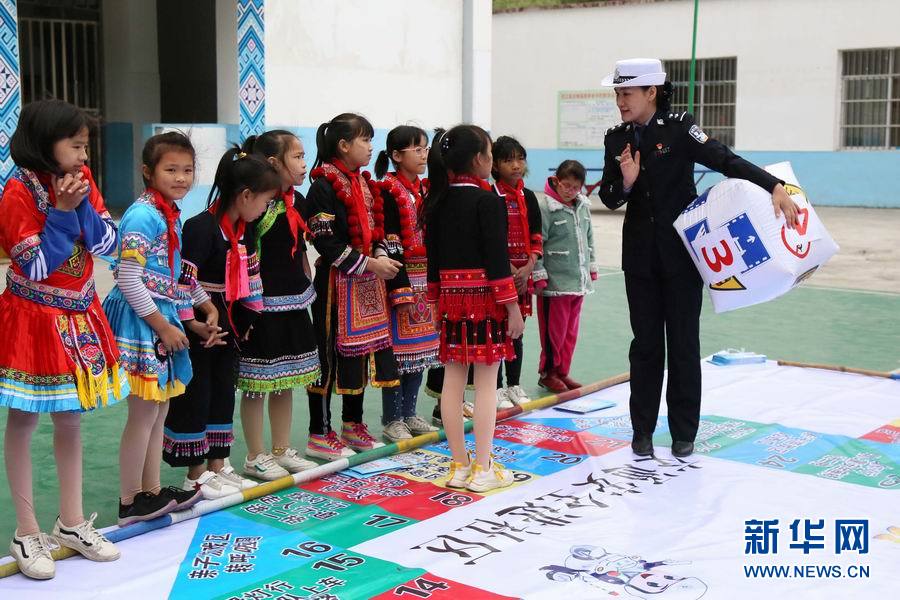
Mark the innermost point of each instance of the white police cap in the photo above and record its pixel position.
(635, 72)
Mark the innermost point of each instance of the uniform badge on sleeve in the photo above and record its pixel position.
(698, 134)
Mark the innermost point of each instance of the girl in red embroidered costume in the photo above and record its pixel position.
(281, 352)
(523, 216)
(58, 354)
(345, 213)
(199, 427)
(469, 279)
(412, 324)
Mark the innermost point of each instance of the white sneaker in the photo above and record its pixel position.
(86, 540)
(460, 473)
(503, 401)
(32, 553)
(492, 478)
(291, 461)
(396, 431)
(419, 426)
(229, 476)
(264, 467)
(517, 395)
(210, 485)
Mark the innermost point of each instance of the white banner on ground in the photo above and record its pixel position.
(771, 455)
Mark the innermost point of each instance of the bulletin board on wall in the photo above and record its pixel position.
(583, 116)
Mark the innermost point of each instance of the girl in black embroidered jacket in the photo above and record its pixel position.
(525, 244)
(469, 279)
(415, 341)
(198, 432)
(281, 352)
(345, 213)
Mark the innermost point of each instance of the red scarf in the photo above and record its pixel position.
(237, 281)
(413, 187)
(295, 221)
(357, 213)
(472, 180)
(170, 214)
(407, 227)
(516, 194)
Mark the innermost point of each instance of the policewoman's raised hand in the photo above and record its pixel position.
(783, 204)
(630, 166)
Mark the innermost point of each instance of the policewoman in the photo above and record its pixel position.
(649, 165)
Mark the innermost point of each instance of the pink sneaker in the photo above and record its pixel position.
(357, 436)
(327, 446)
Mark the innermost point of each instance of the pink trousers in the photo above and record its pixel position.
(558, 318)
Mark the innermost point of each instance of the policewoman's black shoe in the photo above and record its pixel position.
(642, 444)
(682, 449)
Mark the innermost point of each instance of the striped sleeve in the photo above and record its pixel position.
(99, 232)
(132, 287)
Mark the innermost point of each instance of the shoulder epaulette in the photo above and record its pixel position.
(677, 116)
(615, 128)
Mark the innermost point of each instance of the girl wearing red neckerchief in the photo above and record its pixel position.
(58, 354)
(475, 296)
(351, 315)
(220, 242)
(281, 352)
(415, 341)
(525, 248)
(154, 289)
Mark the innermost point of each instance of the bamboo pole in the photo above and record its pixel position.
(270, 487)
(840, 369)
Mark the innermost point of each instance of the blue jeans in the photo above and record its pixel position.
(400, 402)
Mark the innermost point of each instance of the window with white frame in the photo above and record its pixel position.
(870, 98)
(714, 95)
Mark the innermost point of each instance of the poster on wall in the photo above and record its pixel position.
(583, 116)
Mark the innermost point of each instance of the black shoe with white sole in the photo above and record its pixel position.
(145, 507)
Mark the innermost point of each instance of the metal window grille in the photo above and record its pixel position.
(60, 58)
(714, 95)
(870, 98)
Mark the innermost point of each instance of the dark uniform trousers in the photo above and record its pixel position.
(665, 314)
(664, 290)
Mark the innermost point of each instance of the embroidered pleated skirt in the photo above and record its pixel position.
(281, 352)
(54, 359)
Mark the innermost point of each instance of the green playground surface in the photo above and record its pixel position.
(810, 324)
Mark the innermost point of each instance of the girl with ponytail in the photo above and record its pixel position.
(475, 297)
(280, 353)
(412, 324)
(198, 432)
(351, 315)
(149, 310)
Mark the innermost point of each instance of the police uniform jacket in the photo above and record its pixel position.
(669, 144)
